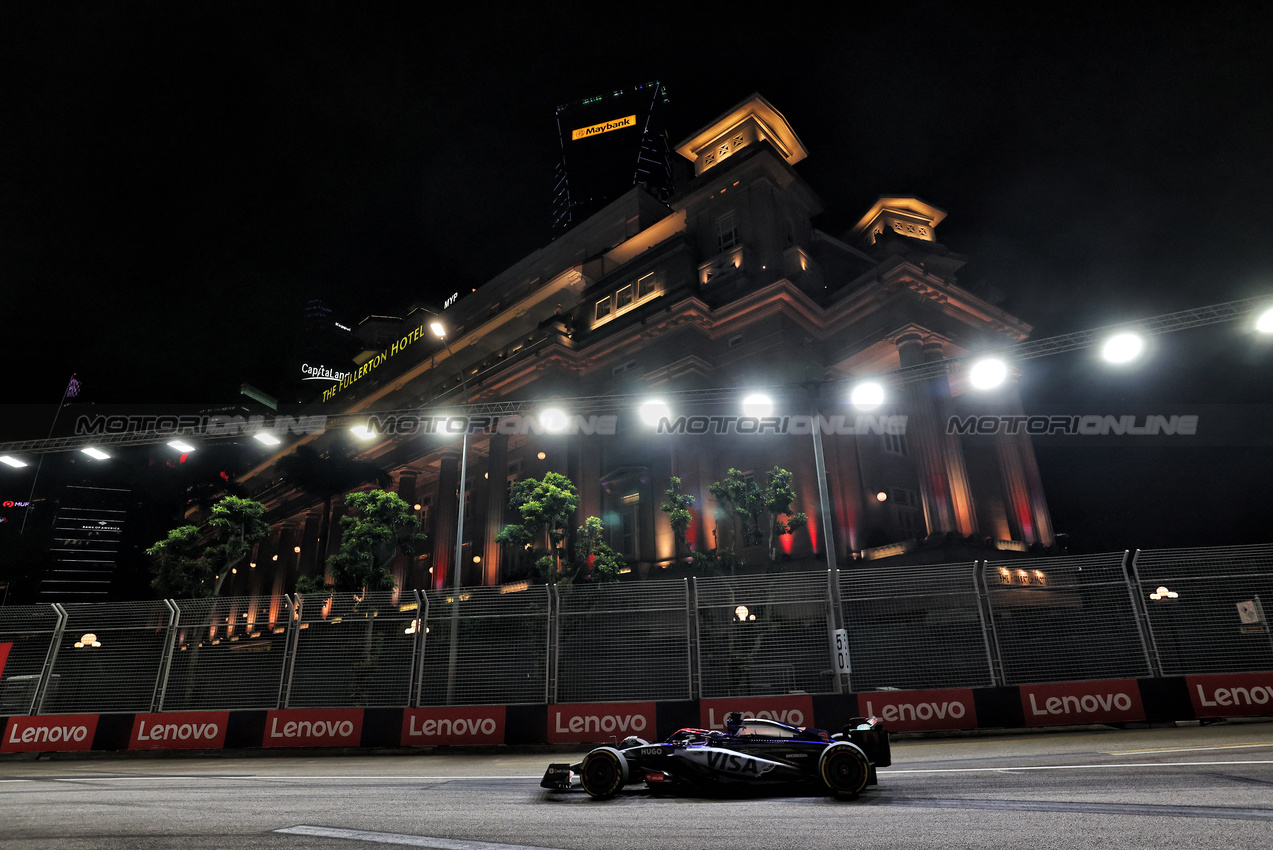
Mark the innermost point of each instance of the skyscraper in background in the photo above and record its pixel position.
(610, 143)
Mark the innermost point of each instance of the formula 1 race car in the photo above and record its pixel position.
(751, 753)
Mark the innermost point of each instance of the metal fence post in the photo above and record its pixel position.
(834, 612)
(422, 632)
(696, 641)
(1152, 656)
(165, 663)
(988, 632)
(554, 645)
(50, 660)
(294, 609)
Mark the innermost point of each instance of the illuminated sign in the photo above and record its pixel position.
(374, 363)
(8, 503)
(448, 302)
(598, 129)
(321, 373)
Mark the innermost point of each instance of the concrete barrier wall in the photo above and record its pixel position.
(1112, 701)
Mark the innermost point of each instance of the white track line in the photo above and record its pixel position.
(399, 839)
(1007, 769)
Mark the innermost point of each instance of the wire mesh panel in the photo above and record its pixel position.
(353, 651)
(1065, 619)
(1208, 609)
(484, 646)
(108, 658)
(619, 642)
(914, 627)
(30, 628)
(228, 654)
(765, 634)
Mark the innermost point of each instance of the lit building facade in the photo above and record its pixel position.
(725, 288)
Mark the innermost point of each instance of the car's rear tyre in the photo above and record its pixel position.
(845, 769)
(603, 773)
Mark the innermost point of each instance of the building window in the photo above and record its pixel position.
(895, 444)
(514, 471)
(726, 232)
(645, 286)
(909, 518)
(623, 299)
(624, 536)
(622, 367)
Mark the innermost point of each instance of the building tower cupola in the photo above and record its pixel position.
(754, 120)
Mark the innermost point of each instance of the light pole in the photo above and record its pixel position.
(439, 330)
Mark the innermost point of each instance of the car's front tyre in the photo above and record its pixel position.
(603, 773)
(845, 769)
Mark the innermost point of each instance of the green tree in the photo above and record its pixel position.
(381, 526)
(594, 560)
(677, 507)
(754, 513)
(194, 562)
(544, 507)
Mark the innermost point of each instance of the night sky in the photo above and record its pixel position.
(177, 179)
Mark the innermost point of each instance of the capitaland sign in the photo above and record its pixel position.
(604, 127)
(794, 711)
(179, 730)
(321, 373)
(1111, 701)
(300, 727)
(597, 722)
(49, 733)
(470, 724)
(917, 711)
(1231, 694)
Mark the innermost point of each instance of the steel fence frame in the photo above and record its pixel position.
(358, 653)
(790, 612)
(1036, 645)
(34, 632)
(607, 665)
(117, 672)
(936, 617)
(1204, 587)
(1012, 622)
(506, 633)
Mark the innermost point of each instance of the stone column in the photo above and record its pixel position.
(963, 513)
(496, 504)
(924, 441)
(445, 507)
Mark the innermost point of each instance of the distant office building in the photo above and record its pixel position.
(87, 531)
(610, 143)
(323, 354)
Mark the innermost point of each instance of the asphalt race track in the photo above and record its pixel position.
(1190, 787)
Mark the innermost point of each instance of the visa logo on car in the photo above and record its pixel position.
(734, 763)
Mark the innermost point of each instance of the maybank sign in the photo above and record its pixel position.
(598, 129)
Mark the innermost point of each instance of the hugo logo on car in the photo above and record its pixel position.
(300, 727)
(915, 711)
(582, 723)
(482, 724)
(57, 732)
(1231, 694)
(1109, 701)
(186, 730)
